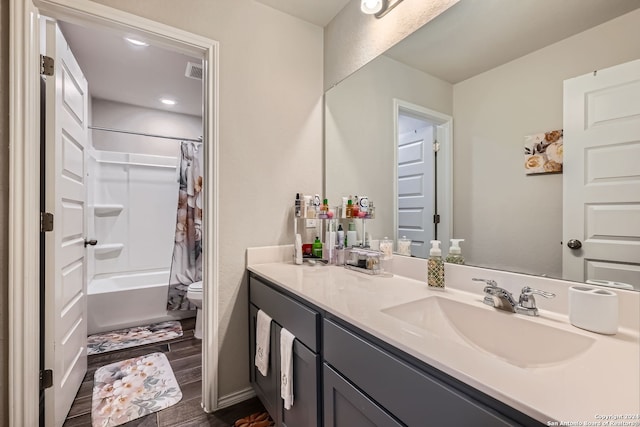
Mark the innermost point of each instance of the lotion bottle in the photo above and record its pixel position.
(340, 242)
(435, 267)
(455, 253)
(298, 249)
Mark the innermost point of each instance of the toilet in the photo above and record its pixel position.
(194, 293)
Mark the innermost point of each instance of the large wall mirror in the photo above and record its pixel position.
(496, 69)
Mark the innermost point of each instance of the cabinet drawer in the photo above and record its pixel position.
(301, 321)
(413, 397)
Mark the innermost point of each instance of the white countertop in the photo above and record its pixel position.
(604, 381)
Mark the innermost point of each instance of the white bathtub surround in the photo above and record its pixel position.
(581, 385)
(123, 301)
(134, 198)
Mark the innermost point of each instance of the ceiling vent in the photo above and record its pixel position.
(194, 71)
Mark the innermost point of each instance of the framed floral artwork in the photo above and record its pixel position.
(543, 152)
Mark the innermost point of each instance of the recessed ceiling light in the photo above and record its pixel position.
(168, 101)
(136, 42)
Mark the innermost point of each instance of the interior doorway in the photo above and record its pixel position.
(25, 125)
(423, 190)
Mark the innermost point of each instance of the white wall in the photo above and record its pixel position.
(352, 38)
(355, 164)
(494, 201)
(117, 115)
(270, 139)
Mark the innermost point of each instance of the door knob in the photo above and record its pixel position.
(91, 242)
(574, 244)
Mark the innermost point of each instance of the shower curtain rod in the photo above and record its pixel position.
(199, 140)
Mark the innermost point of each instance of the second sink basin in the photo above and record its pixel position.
(517, 340)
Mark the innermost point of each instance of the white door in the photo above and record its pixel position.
(416, 185)
(65, 283)
(602, 175)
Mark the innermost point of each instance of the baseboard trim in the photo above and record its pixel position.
(236, 397)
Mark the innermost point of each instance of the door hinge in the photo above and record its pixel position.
(46, 65)
(46, 222)
(436, 146)
(46, 379)
(436, 219)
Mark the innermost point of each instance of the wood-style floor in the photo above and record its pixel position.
(184, 355)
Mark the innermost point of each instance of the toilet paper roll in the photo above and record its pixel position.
(593, 309)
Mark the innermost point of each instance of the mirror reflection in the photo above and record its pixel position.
(496, 83)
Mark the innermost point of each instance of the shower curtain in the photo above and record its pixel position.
(186, 266)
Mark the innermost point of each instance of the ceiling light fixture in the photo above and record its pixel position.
(167, 101)
(378, 8)
(136, 42)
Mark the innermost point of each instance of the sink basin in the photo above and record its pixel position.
(517, 340)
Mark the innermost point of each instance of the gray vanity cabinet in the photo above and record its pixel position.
(304, 323)
(345, 377)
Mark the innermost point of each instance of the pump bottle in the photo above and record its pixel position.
(435, 266)
(455, 253)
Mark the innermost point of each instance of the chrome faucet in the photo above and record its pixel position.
(497, 297)
(502, 299)
(527, 303)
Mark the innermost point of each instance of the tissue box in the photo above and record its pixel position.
(593, 309)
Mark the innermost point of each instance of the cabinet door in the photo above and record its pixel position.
(267, 387)
(305, 410)
(411, 395)
(346, 406)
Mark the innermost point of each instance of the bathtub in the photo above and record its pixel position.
(129, 300)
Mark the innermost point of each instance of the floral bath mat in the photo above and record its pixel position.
(131, 337)
(133, 388)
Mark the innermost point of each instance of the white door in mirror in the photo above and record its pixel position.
(601, 184)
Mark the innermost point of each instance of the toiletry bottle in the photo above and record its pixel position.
(324, 209)
(297, 249)
(352, 235)
(298, 204)
(435, 266)
(340, 241)
(316, 249)
(363, 205)
(355, 208)
(329, 247)
(343, 210)
(371, 211)
(306, 204)
(455, 253)
(349, 209)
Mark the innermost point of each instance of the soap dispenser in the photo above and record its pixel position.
(455, 253)
(435, 266)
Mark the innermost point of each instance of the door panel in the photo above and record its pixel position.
(416, 186)
(602, 180)
(65, 269)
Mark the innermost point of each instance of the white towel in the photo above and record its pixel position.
(286, 367)
(263, 342)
